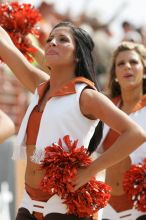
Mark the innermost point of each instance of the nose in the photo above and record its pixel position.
(127, 65)
(53, 42)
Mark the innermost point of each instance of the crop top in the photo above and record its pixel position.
(112, 135)
(35, 116)
(110, 139)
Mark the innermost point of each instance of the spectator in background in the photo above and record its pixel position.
(130, 33)
(142, 31)
(103, 50)
(127, 90)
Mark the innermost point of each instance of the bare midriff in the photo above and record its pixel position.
(34, 174)
(114, 176)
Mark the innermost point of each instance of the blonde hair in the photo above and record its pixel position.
(113, 88)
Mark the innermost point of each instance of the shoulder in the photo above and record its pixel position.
(95, 103)
(83, 81)
(92, 101)
(90, 95)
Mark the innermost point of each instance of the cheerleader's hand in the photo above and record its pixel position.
(83, 176)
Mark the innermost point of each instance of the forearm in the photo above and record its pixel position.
(125, 144)
(5, 35)
(28, 75)
(13, 58)
(40, 59)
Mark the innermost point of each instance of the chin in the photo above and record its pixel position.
(52, 63)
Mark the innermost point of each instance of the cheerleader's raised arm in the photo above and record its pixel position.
(28, 75)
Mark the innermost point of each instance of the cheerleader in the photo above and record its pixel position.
(67, 102)
(127, 89)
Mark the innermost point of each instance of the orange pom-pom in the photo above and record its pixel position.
(61, 167)
(19, 20)
(134, 185)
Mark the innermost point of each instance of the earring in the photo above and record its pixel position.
(77, 60)
(116, 80)
(144, 76)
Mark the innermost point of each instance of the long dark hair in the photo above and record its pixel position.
(85, 68)
(113, 88)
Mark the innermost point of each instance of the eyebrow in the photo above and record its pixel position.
(60, 35)
(131, 59)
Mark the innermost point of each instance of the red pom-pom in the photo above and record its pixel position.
(88, 199)
(134, 185)
(61, 167)
(19, 20)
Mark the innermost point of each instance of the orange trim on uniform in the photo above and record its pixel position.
(140, 104)
(35, 117)
(67, 89)
(113, 135)
(38, 195)
(121, 203)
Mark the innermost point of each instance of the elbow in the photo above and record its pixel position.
(141, 134)
(144, 137)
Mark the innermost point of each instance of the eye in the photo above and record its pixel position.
(49, 39)
(63, 39)
(134, 62)
(121, 63)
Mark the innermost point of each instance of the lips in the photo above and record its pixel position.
(51, 52)
(128, 75)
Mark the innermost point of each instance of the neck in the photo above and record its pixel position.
(60, 76)
(131, 97)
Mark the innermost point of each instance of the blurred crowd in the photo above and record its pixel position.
(101, 32)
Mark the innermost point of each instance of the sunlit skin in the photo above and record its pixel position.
(60, 44)
(60, 52)
(129, 71)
